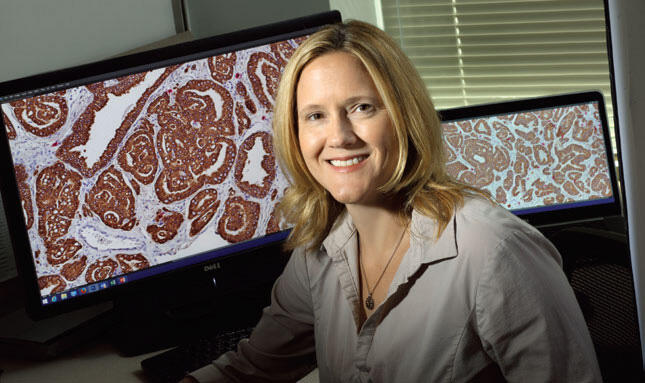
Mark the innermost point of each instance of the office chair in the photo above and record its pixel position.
(598, 266)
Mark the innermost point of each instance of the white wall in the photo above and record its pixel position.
(205, 18)
(212, 17)
(43, 35)
(364, 10)
(39, 36)
(628, 30)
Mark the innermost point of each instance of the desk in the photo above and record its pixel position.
(96, 361)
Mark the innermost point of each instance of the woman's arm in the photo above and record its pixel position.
(529, 320)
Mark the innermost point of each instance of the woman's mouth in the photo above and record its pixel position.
(348, 162)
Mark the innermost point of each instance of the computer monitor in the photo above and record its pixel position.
(548, 160)
(150, 170)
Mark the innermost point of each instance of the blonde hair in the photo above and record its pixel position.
(419, 179)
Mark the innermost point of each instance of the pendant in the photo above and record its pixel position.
(369, 302)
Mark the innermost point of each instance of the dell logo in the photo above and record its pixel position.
(212, 267)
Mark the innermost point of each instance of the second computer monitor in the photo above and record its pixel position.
(548, 160)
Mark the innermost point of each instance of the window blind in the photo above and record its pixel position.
(475, 51)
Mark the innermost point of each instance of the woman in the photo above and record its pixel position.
(399, 273)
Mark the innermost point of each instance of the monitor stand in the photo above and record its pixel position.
(181, 307)
(155, 327)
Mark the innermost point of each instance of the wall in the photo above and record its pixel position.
(206, 18)
(42, 35)
(627, 31)
(364, 10)
(212, 17)
(38, 36)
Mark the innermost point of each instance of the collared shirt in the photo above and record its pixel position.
(485, 301)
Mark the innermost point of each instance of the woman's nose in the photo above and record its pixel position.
(341, 131)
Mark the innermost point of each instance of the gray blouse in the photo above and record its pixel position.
(485, 301)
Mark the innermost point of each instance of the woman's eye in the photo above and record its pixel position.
(314, 116)
(364, 107)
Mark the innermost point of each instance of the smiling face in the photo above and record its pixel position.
(345, 133)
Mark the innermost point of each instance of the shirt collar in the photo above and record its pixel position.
(341, 246)
(342, 231)
(424, 246)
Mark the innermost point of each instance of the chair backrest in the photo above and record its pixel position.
(598, 266)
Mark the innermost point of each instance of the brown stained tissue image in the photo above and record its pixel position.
(182, 141)
(268, 164)
(68, 150)
(100, 270)
(138, 156)
(132, 262)
(201, 210)
(166, 225)
(41, 115)
(55, 282)
(113, 200)
(240, 219)
(558, 142)
(11, 131)
(25, 194)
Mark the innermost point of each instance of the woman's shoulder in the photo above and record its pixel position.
(481, 213)
(482, 224)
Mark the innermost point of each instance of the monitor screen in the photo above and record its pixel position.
(547, 160)
(145, 165)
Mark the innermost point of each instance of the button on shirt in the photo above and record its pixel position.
(487, 300)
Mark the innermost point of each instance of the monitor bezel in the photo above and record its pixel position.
(80, 75)
(565, 215)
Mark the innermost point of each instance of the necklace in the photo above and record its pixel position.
(369, 301)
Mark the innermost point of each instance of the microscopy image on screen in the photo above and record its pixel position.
(125, 174)
(532, 159)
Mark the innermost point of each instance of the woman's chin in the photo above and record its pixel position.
(346, 198)
(354, 198)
